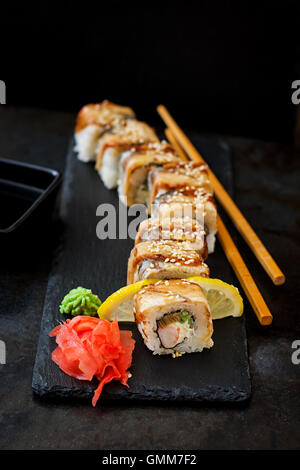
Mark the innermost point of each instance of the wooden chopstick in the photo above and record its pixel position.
(260, 251)
(246, 280)
(236, 261)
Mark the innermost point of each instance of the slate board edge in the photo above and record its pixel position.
(211, 395)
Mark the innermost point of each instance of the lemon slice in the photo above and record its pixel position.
(120, 303)
(224, 299)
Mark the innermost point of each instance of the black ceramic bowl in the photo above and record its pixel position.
(27, 193)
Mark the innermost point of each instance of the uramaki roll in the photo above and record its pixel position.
(189, 203)
(173, 317)
(135, 165)
(177, 176)
(164, 260)
(92, 121)
(113, 143)
(174, 229)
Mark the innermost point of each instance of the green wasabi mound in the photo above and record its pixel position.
(80, 301)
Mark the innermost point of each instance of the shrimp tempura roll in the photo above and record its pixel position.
(92, 121)
(113, 143)
(164, 260)
(178, 230)
(173, 317)
(135, 165)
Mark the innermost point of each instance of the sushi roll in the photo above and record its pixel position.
(164, 259)
(175, 229)
(186, 203)
(92, 121)
(173, 317)
(178, 176)
(135, 165)
(113, 143)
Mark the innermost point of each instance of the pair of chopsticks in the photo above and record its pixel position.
(180, 141)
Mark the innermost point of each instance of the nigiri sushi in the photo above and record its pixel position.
(173, 317)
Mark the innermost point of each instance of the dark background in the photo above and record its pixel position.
(220, 67)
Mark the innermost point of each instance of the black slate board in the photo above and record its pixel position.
(217, 375)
